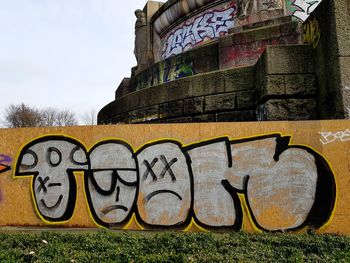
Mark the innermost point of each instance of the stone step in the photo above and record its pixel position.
(243, 46)
(283, 78)
(189, 90)
(269, 22)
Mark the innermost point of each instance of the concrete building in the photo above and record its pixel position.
(248, 60)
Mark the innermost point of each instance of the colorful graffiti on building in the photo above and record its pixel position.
(165, 71)
(5, 163)
(207, 26)
(305, 8)
(312, 32)
(165, 184)
(170, 72)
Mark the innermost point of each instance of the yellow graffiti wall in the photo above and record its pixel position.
(256, 177)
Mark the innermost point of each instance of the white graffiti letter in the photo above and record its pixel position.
(280, 184)
(111, 184)
(51, 161)
(215, 203)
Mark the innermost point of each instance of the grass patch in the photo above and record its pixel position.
(109, 246)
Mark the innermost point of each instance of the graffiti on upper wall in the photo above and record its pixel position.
(329, 137)
(305, 8)
(172, 72)
(312, 32)
(165, 71)
(210, 25)
(165, 184)
(5, 163)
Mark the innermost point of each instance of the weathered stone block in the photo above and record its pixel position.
(246, 99)
(123, 118)
(289, 109)
(179, 120)
(227, 41)
(275, 32)
(304, 84)
(204, 118)
(171, 109)
(243, 115)
(274, 85)
(152, 113)
(291, 28)
(208, 83)
(137, 115)
(239, 79)
(225, 101)
(152, 110)
(151, 96)
(193, 105)
(123, 88)
(289, 59)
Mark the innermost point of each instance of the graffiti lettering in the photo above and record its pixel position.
(4, 163)
(166, 184)
(328, 137)
(208, 26)
(312, 32)
(306, 7)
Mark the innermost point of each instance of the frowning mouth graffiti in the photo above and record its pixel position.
(167, 185)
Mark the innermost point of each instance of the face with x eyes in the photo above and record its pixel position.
(165, 186)
(112, 182)
(52, 161)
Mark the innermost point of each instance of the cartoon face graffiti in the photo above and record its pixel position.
(165, 184)
(112, 182)
(51, 161)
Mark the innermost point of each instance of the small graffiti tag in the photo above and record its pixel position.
(312, 32)
(4, 163)
(329, 137)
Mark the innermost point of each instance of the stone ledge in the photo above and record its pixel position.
(287, 109)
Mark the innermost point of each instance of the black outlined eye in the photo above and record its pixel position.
(78, 156)
(104, 181)
(128, 178)
(53, 156)
(29, 160)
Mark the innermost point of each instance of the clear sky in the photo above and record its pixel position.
(68, 54)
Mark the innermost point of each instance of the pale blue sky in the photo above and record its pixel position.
(69, 54)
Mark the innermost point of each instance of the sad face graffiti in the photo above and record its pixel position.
(51, 161)
(165, 185)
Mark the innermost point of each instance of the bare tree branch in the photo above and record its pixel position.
(25, 116)
(21, 116)
(89, 118)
